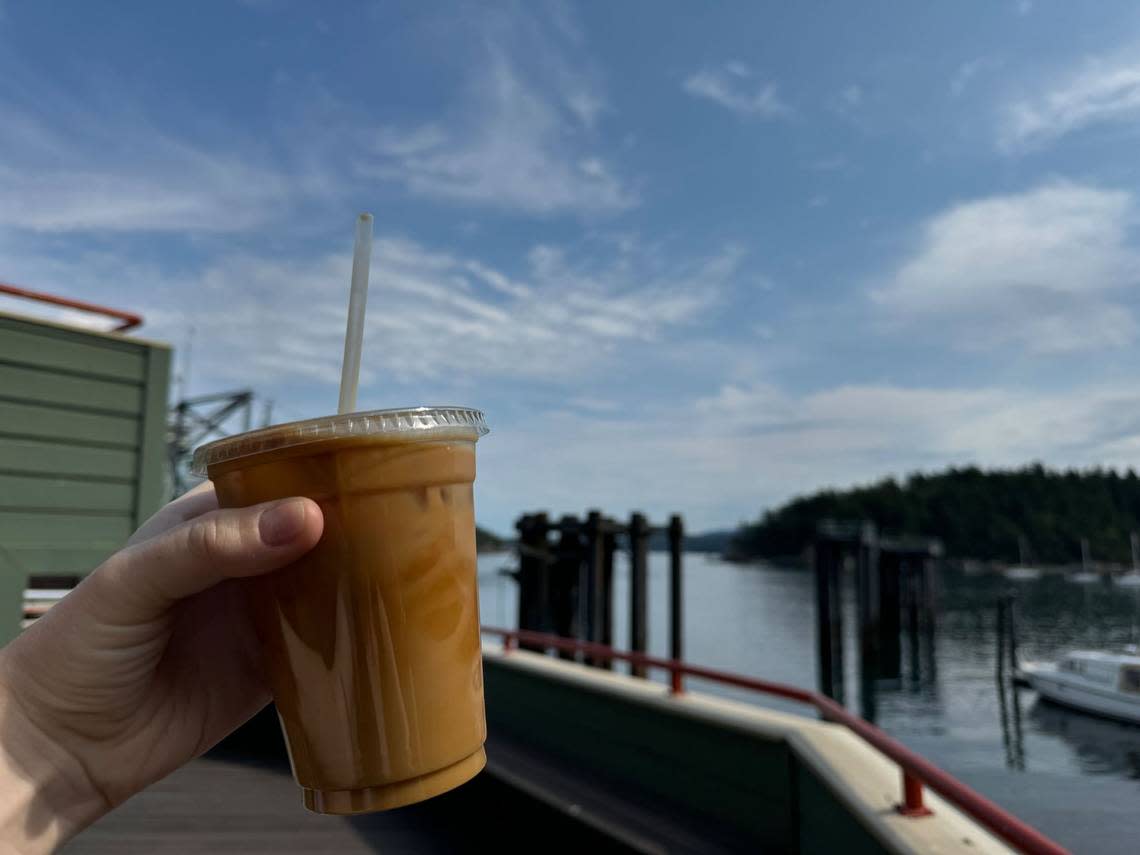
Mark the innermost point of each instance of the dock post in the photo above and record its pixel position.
(867, 595)
(524, 576)
(533, 574)
(676, 642)
(595, 583)
(567, 614)
(609, 547)
(638, 570)
(867, 615)
(912, 568)
(1001, 606)
(828, 615)
(932, 552)
(890, 614)
(1011, 609)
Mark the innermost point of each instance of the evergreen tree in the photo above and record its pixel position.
(976, 513)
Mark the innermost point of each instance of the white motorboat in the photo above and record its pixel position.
(1104, 684)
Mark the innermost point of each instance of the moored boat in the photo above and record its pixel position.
(1022, 571)
(1131, 579)
(1096, 682)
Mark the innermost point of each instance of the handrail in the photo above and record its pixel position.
(129, 319)
(916, 769)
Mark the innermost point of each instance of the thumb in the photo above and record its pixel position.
(200, 553)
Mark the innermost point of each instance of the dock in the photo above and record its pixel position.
(231, 801)
(582, 756)
(586, 759)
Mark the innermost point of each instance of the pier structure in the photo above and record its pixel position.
(566, 577)
(895, 593)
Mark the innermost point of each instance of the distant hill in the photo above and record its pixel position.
(486, 541)
(977, 514)
(709, 541)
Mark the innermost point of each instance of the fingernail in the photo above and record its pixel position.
(281, 523)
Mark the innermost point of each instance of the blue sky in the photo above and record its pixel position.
(693, 257)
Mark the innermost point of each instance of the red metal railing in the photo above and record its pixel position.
(129, 320)
(916, 770)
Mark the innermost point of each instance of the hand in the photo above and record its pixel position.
(149, 662)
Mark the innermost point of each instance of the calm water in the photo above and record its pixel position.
(1075, 777)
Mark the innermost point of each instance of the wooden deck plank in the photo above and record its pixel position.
(230, 802)
(217, 806)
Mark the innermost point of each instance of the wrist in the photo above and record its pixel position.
(46, 796)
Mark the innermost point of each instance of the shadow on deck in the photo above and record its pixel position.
(241, 798)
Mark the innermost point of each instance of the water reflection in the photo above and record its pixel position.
(944, 701)
(1102, 747)
(1009, 707)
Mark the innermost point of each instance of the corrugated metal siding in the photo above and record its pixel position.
(82, 446)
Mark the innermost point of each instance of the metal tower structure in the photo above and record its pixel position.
(196, 420)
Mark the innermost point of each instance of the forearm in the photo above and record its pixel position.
(45, 794)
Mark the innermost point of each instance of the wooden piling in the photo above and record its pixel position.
(930, 609)
(1001, 630)
(1011, 620)
(594, 546)
(533, 573)
(524, 576)
(930, 587)
(911, 595)
(867, 599)
(911, 574)
(609, 547)
(890, 613)
(828, 558)
(638, 600)
(567, 612)
(676, 628)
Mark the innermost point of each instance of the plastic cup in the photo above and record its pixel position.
(371, 641)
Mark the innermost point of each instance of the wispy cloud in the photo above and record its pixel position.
(274, 321)
(796, 442)
(732, 86)
(1101, 93)
(69, 167)
(519, 133)
(894, 428)
(586, 105)
(516, 157)
(1043, 270)
(848, 100)
(519, 136)
(830, 163)
(968, 71)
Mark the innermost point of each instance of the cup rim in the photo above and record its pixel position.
(404, 423)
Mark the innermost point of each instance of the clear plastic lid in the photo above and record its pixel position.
(416, 423)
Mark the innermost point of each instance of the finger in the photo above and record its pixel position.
(222, 544)
(191, 504)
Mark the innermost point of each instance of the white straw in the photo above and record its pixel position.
(357, 298)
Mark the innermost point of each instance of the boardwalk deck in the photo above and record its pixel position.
(227, 802)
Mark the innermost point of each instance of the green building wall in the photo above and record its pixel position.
(82, 449)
